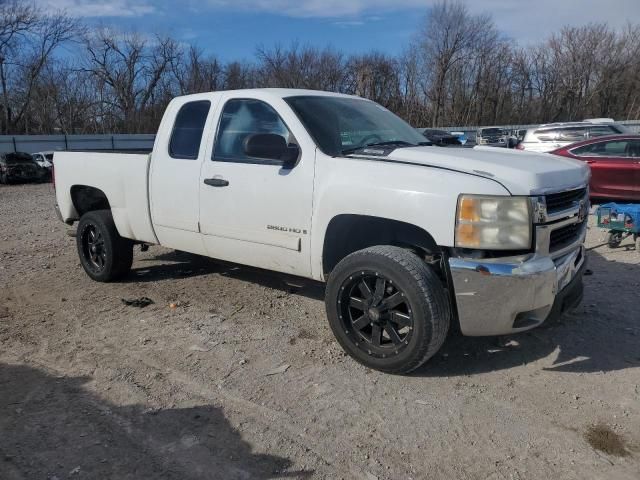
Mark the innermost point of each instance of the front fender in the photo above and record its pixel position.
(419, 195)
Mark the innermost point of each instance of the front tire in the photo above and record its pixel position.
(104, 254)
(387, 308)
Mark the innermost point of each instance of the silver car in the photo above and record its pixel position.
(551, 136)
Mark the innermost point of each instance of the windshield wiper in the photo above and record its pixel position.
(400, 143)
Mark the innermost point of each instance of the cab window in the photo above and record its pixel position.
(241, 118)
(187, 130)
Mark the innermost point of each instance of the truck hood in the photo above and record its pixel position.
(520, 172)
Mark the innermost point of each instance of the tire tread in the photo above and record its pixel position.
(433, 294)
(122, 248)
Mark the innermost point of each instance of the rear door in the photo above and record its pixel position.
(633, 151)
(175, 174)
(615, 171)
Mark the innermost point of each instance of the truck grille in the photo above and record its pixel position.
(564, 236)
(556, 202)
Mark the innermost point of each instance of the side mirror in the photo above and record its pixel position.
(271, 146)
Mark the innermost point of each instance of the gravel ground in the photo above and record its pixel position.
(233, 373)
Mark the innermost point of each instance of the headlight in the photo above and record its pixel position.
(493, 223)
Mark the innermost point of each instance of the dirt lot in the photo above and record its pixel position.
(93, 388)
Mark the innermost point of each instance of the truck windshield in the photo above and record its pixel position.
(341, 125)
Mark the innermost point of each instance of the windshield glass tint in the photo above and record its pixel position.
(339, 124)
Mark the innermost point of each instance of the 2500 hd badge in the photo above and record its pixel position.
(286, 229)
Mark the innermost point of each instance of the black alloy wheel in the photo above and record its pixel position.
(104, 254)
(387, 308)
(375, 314)
(93, 248)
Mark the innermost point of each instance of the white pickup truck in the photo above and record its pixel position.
(411, 239)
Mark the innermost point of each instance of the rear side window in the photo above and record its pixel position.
(567, 134)
(601, 130)
(615, 148)
(571, 134)
(187, 130)
(546, 135)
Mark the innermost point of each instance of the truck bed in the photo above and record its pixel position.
(122, 177)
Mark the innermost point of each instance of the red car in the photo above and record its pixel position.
(614, 162)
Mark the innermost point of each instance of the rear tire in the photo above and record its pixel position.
(104, 254)
(614, 239)
(387, 308)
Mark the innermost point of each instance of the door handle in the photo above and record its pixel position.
(216, 182)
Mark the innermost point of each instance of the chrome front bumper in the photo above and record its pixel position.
(502, 297)
(509, 295)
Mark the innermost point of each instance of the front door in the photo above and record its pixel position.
(615, 170)
(253, 210)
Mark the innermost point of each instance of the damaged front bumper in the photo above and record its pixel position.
(498, 297)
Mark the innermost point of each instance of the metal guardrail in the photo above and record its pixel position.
(144, 142)
(42, 143)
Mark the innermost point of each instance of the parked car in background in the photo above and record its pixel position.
(491, 137)
(20, 167)
(441, 138)
(462, 137)
(44, 159)
(552, 136)
(614, 162)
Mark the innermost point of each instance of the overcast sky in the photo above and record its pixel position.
(233, 28)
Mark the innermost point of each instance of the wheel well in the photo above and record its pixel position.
(86, 199)
(349, 233)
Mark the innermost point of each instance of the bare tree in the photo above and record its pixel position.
(128, 69)
(375, 76)
(49, 32)
(17, 19)
(444, 42)
(194, 73)
(300, 67)
(458, 70)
